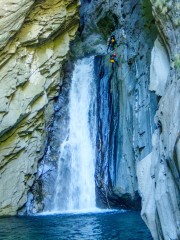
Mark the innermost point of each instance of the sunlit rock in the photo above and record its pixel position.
(159, 70)
(34, 42)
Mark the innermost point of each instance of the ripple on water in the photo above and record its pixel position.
(106, 225)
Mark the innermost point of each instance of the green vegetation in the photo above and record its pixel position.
(177, 61)
(148, 18)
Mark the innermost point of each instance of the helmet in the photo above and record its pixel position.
(113, 36)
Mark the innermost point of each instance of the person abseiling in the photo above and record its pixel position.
(111, 43)
(113, 60)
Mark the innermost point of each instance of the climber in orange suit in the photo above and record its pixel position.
(111, 43)
(113, 60)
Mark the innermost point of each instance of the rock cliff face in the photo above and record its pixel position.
(158, 173)
(126, 107)
(138, 140)
(139, 106)
(34, 42)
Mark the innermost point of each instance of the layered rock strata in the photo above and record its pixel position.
(139, 108)
(159, 172)
(138, 146)
(34, 43)
(126, 107)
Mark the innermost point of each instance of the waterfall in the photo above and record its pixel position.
(75, 186)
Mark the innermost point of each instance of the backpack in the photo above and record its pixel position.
(111, 59)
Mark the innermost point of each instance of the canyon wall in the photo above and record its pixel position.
(138, 147)
(138, 107)
(158, 173)
(34, 42)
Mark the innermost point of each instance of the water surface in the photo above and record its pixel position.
(115, 225)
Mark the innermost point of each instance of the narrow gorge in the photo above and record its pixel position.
(79, 133)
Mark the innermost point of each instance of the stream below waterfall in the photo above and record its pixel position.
(115, 225)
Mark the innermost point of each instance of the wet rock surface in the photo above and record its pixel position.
(138, 146)
(126, 107)
(138, 107)
(160, 201)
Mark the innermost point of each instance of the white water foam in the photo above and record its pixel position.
(82, 211)
(75, 185)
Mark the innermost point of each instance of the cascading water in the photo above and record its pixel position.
(75, 186)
